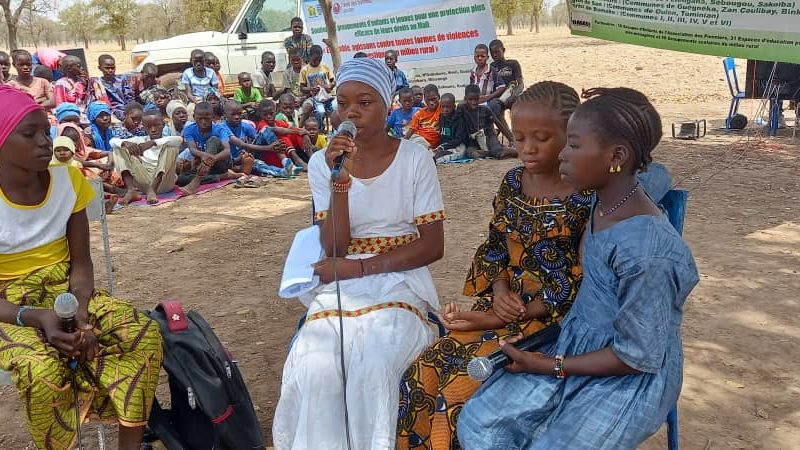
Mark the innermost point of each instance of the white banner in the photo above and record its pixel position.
(435, 39)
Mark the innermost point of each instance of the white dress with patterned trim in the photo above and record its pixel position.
(380, 341)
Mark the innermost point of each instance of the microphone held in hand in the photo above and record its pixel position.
(346, 128)
(481, 368)
(66, 308)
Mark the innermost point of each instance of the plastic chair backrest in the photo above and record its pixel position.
(730, 74)
(96, 210)
(674, 203)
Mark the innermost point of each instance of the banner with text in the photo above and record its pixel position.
(765, 30)
(435, 39)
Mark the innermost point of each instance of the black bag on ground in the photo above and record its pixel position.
(210, 405)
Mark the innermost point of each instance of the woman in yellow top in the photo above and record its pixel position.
(44, 251)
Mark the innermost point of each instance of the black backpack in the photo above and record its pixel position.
(210, 405)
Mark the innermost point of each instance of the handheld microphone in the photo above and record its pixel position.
(346, 128)
(483, 367)
(66, 307)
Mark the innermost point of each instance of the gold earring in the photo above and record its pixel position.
(619, 169)
(611, 169)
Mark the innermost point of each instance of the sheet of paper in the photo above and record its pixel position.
(298, 273)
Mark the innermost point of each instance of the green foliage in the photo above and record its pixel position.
(80, 20)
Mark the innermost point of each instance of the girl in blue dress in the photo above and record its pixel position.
(617, 367)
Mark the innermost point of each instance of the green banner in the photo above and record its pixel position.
(764, 30)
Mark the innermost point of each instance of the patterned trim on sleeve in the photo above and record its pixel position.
(425, 219)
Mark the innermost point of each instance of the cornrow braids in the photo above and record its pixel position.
(556, 95)
(627, 114)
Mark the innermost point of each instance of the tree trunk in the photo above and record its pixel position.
(12, 34)
(333, 41)
(86, 42)
(122, 43)
(509, 24)
(536, 22)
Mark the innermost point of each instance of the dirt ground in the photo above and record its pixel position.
(222, 253)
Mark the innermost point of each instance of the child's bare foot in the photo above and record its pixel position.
(110, 202)
(247, 164)
(152, 197)
(191, 188)
(130, 196)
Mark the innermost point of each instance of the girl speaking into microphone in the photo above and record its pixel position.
(381, 225)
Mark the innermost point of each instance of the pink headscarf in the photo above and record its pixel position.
(49, 57)
(16, 105)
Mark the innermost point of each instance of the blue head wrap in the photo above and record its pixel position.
(101, 138)
(65, 111)
(371, 72)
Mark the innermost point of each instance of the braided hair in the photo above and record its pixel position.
(556, 95)
(625, 114)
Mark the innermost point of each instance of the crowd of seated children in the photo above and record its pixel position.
(248, 95)
(298, 147)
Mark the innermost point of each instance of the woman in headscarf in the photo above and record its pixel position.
(99, 131)
(44, 252)
(177, 117)
(385, 210)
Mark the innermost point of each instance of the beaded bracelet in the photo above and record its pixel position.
(341, 188)
(559, 370)
(21, 310)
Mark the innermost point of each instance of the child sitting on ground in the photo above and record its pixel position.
(132, 123)
(248, 96)
(38, 88)
(71, 88)
(198, 80)
(262, 79)
(161, 99)
(317, 139)
(111, 89)
(480, 136)
(291, 76)
(64, 152)
(317, 81)
(424, 128)
(287, 111)
(451, 131)
(209, 151)
(419, 96)
(298, 146)
(399, 120)
(147, 163)
(246, 142)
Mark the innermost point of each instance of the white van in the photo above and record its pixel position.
(435, 38)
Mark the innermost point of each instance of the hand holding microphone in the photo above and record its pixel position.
(341, 148)
(64, 331)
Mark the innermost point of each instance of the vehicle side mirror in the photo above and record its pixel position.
(242, 36)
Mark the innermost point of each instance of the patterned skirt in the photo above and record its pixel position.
(119, 384)
(436, 386)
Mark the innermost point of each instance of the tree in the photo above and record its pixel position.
(506, 10)
(79, 21)
(117, 17)
(12, 12)
(170, 9)
(330, 26)
(560, 13)
(210, 14)
(536, 12)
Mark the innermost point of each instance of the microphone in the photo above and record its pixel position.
(66, 307)
(483, 367)
(346, 128)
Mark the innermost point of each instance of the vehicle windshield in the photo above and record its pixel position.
(268, 16)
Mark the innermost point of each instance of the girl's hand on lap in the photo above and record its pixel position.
(346, 268)
(526, 362)
(455, 320)
(68, 344)
(508, 306)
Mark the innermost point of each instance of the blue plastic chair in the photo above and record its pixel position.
(674, 203)
(737, 95)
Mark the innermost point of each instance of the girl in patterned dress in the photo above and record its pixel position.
(387, 210)
(44, 252)
(525, 275)
(617, 367)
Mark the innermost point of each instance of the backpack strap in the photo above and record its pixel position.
(173, 312)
